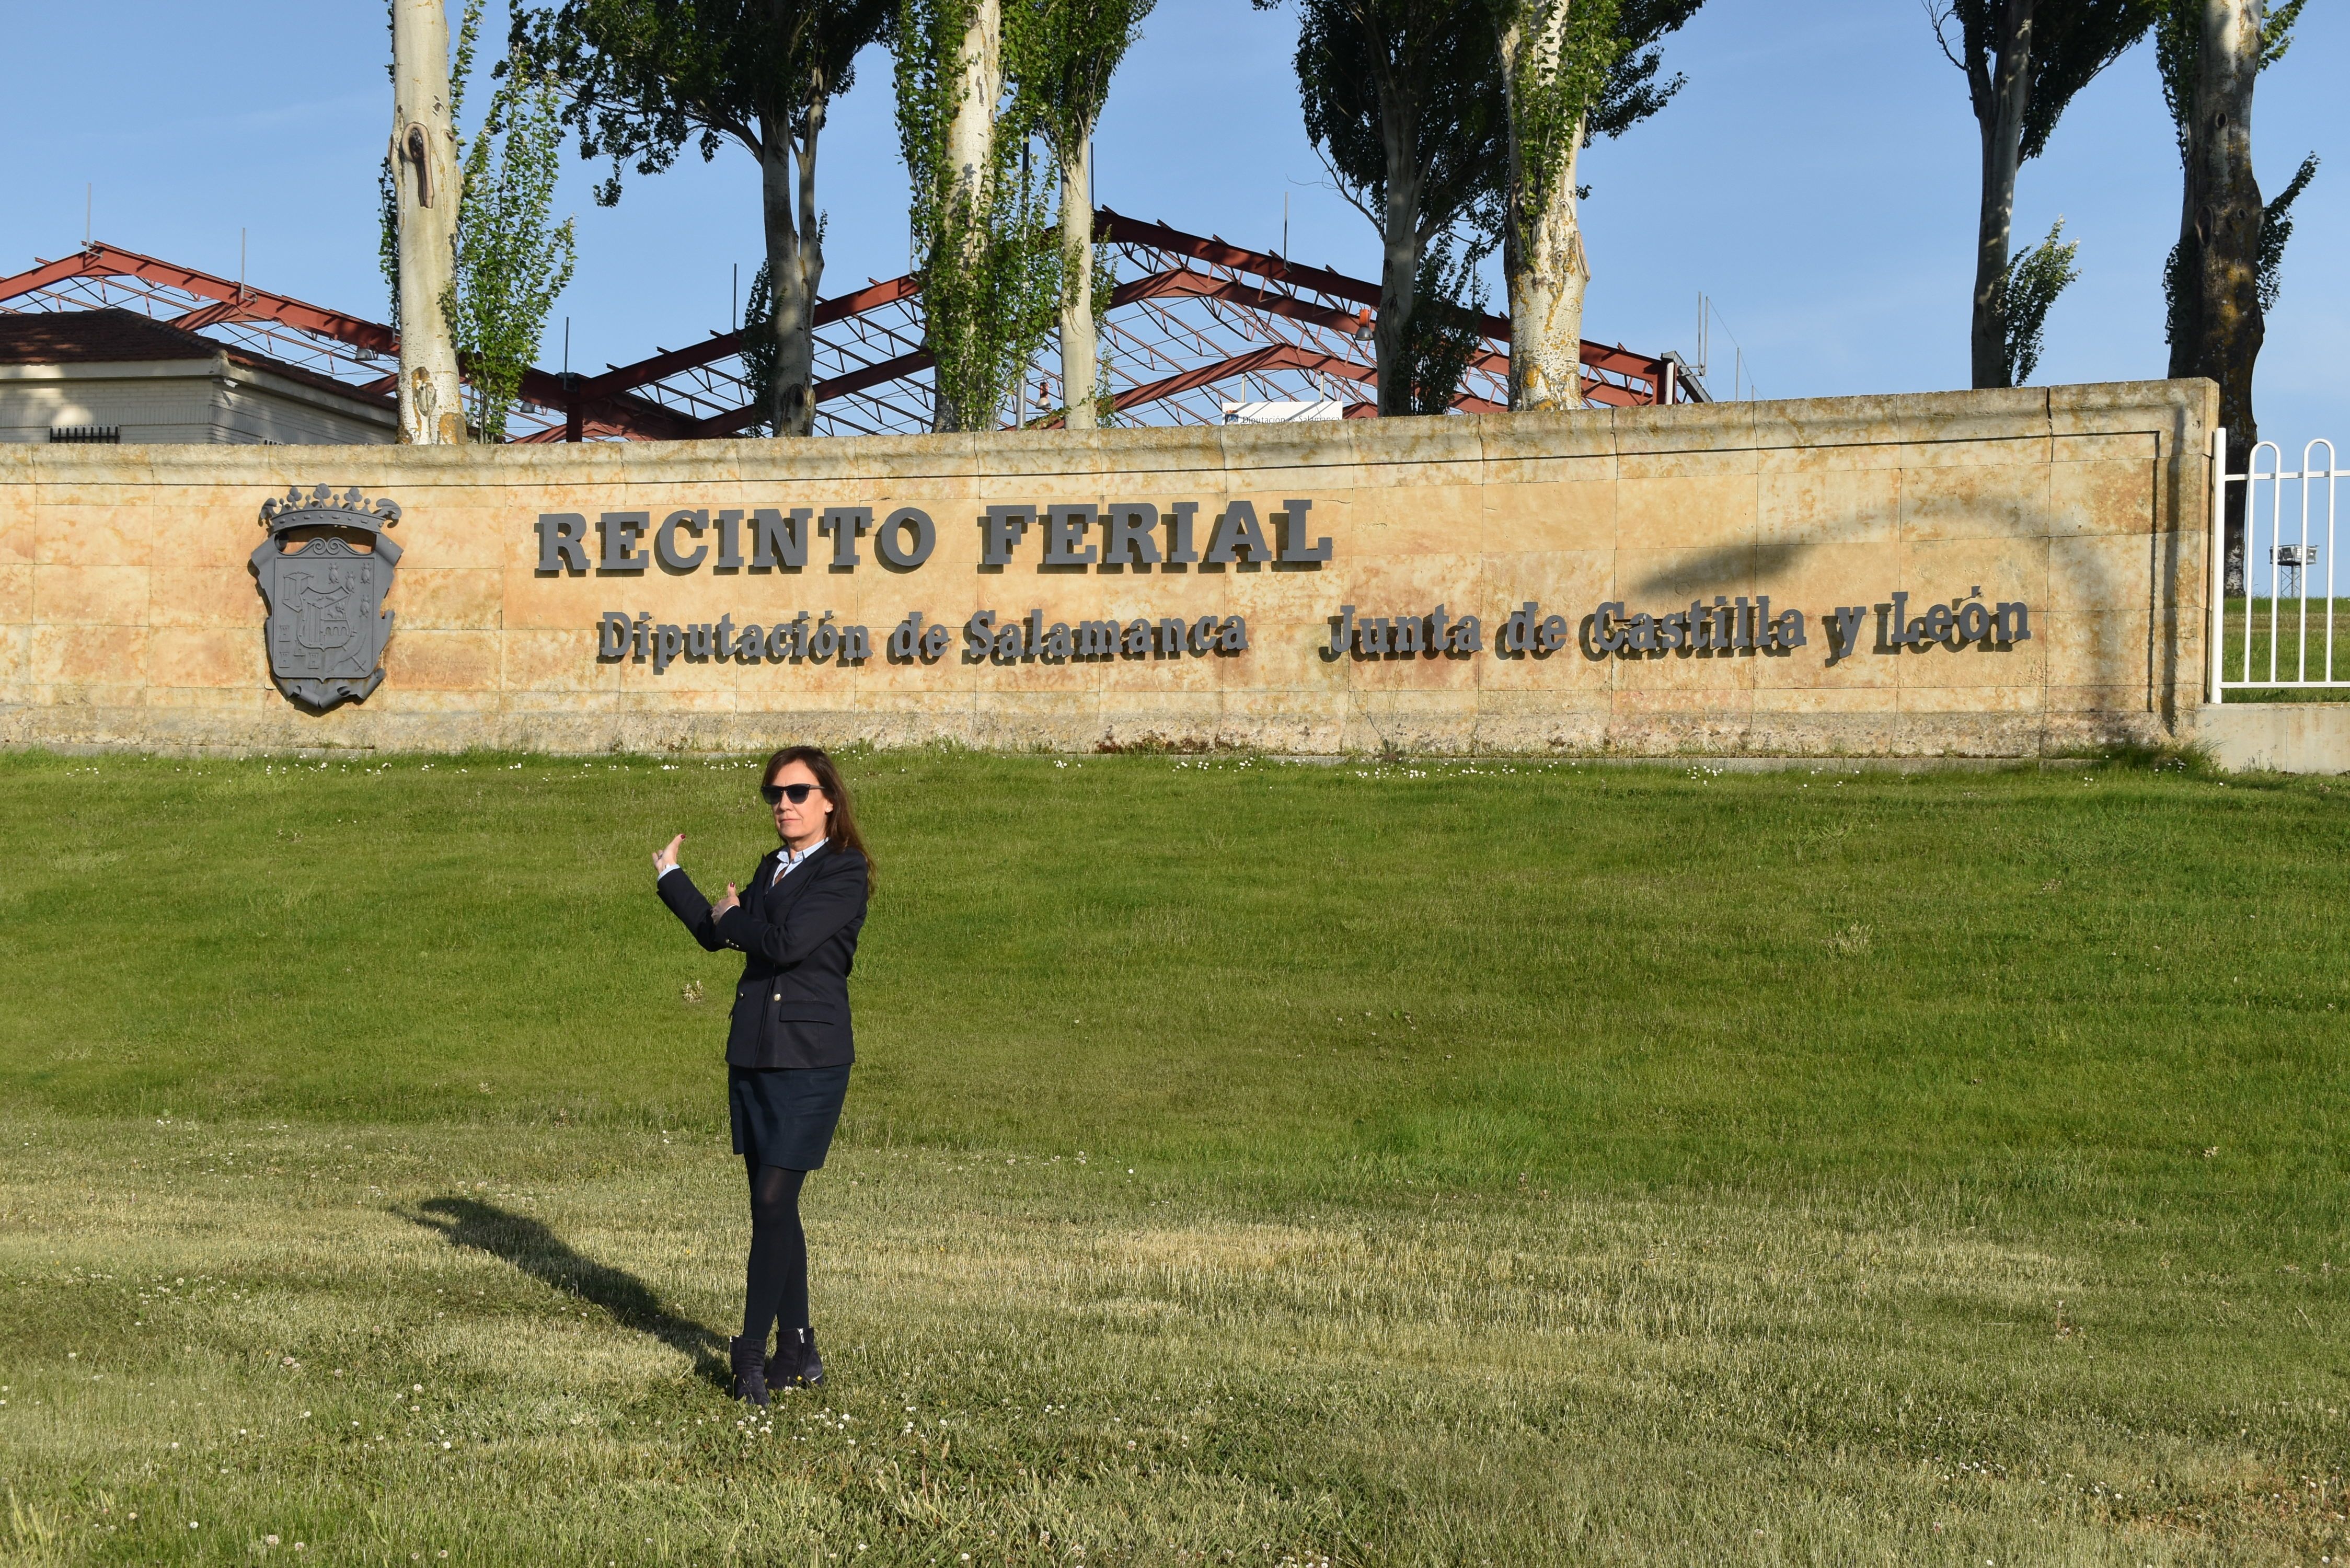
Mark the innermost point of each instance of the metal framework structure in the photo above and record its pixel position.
(1193, 322)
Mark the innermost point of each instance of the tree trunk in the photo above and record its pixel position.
(971, 158)
(1542, 254)
(1400, 236)
(2000, 102)
(427, 185)
(2183, 302)
(1078, 370)
(795, 264)
(2223, 287)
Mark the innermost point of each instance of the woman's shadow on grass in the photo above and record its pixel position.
(532, 1248)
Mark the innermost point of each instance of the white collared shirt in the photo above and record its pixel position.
(787, 860)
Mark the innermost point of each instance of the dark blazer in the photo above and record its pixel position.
(798, 943)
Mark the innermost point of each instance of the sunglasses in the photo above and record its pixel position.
(796, 793)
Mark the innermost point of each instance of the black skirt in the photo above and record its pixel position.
(785, 1115)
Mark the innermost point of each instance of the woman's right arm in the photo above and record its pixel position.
(683, 898)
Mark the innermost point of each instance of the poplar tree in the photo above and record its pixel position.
(2024, 61)
(421, 206)
(990, 264)
(645, 77)
(2214, 322)
(512, 259)
(1554, 58)
(1061, 56)
(1571, 70)
(1403, 100)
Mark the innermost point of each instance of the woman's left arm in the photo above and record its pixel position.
(816, 916)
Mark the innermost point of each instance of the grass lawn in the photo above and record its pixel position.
(1443, 1163)
(2291, 641)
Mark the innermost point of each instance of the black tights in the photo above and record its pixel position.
(776, 1279)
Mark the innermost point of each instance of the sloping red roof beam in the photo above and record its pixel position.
(235, 301)
(721, 345)
(1116, 226)
(102, 260)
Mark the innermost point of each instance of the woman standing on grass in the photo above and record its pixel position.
(789, 1046)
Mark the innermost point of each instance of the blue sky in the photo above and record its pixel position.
(1817, 178)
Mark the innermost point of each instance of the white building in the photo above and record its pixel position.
(118, 376)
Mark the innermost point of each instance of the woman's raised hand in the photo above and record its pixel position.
(663, 859)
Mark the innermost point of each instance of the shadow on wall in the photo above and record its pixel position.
(2151, 586)
(535, 1250)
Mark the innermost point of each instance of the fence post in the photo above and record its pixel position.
(2219, 613)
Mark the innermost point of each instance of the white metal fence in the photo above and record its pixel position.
(2285, 631)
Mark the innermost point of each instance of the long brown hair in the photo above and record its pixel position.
(842, 829)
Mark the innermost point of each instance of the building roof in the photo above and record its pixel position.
(115, 335)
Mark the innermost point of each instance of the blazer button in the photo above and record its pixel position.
(777, 997)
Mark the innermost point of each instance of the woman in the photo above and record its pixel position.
(788, 1047)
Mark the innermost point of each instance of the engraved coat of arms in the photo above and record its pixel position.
(324, 571)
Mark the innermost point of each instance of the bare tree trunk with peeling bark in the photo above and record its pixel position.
(1079, 370)
(426, 182)
(1548, 272)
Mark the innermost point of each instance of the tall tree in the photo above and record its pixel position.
(990, 264)
(1570, 70)
(1403, 99)
(1062, 54)
(643, 78)
(424, 213)
(2224, 272)
(2024, 61)
(513, 259)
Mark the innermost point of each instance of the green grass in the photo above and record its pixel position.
(1448, 1163)
(2297, 640)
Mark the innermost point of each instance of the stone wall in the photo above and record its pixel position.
(129, 617)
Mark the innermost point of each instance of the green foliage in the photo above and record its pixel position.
(1446, 329)
(2071, 42)
(646, 77)
(1631, 91)
(512, 259)
(1428, 64)
(759, 347)
(2035, 275)
(387, 248)
(1059, 56)
(2276, 228)
(2179, 52)
(991, 264)
(1559, 72)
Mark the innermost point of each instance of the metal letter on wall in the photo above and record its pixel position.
(328, 626)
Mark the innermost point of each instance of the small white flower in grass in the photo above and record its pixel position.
(269, 1540)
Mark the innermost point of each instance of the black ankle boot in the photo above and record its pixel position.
(796, 1362)
(750, 1369)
